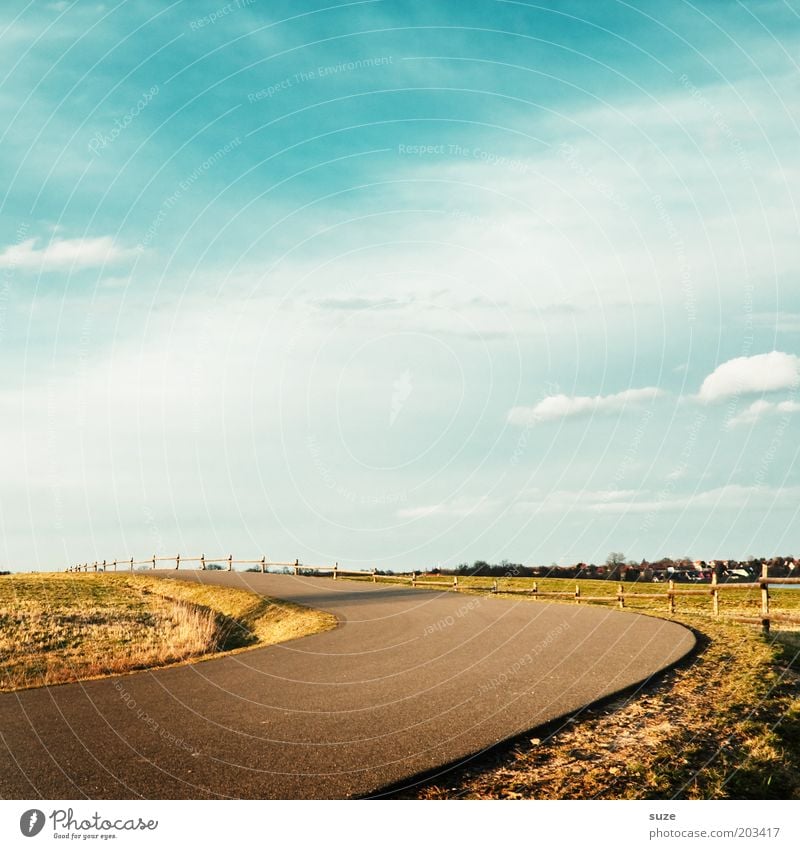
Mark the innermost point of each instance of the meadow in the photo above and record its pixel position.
(57, 628)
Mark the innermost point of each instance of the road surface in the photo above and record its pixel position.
(411, 681)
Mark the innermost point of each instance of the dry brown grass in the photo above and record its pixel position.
(56, 628)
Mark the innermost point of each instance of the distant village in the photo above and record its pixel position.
(617, 568)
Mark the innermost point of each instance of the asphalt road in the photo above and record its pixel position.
(411, 681)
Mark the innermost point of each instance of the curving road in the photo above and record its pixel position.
(412, 680)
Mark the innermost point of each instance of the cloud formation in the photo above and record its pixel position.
(458, 508)
(759, 409)
(64, 254)
(556, 407)
(729, 496)
(747, 375)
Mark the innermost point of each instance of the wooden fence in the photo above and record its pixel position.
(670, 592)
(205, 563)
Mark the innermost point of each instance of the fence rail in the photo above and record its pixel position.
(214, 562)
(670, 592)
(416, 579)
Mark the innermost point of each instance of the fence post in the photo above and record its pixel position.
(714, 594)
(671, 596)
(335, 568)
(494, 585)
(202, 562)
(263, 564)
(177, 561)
(414, 578)
(455, 583)
(535, 588)
(115, 565)
(131, 564)
(154, 561)
(296, 566)
(104, 565)
(577, 593)
(230, 563)
(765, 598)
(621, 596)
(374, 579)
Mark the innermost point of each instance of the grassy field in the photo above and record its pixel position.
(733, 600)
(60, 627)
(725, 724)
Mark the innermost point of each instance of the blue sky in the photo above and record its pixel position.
(396, 283)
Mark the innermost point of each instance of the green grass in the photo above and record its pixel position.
(733, 599)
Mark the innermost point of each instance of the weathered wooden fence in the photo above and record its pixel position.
(177, 561)
(670, 592)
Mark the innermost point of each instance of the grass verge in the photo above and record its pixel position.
(56, 628)
(724, 724)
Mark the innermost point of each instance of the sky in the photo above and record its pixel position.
(399, 284)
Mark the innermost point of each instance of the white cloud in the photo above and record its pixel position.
(730, 496)
(457, 508)
(562, 500)
(64, 254)
(759, 409)
(556, 407)
(759, 373)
